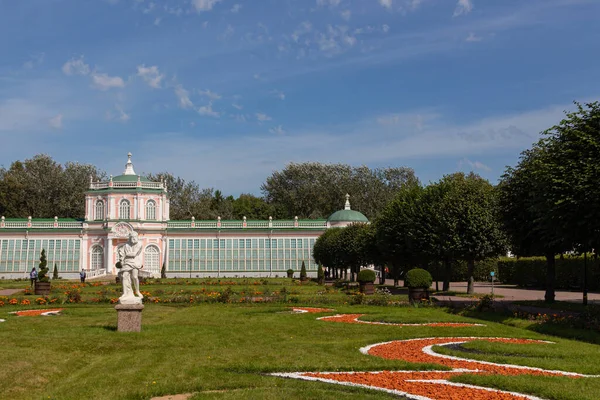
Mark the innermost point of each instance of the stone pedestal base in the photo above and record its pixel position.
(129, 317)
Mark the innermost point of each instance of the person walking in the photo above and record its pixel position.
(33, 276)
(82, 276)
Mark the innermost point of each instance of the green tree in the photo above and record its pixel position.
(470, 205)
(327, 250)
(315, 190)
(43, 267)
(55, 272)
(398, 231)
(529, 212)
(251, 207)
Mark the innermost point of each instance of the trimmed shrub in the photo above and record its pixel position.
(366, 275)
(320, 275)
(418, 278)
(290, 273)
(55, 272)
(303, 271)
(531, 271)
(43, 268)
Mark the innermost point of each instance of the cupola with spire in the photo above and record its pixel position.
(346, 216)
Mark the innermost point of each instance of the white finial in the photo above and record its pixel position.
(129, 166)
(347, 205)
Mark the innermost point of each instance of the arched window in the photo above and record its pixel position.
(151, 209)
(124, 210)
(99, 210)
(152, 261)
(97, 261)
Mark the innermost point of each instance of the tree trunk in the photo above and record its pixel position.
(395, 273)
(550, 277)
(447, 270)
(470, 272)
(585, 289)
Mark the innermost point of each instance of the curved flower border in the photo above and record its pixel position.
(354, 319)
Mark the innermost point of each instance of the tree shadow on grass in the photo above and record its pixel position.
(112, 328)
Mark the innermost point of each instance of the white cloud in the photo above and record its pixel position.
(331, 3)
(150, 75)
(263, 117)
(76, 66)
(157, 21)
(473, 38)
(385, 28)
(335, 40)
(473, 165)
(346, 14)
(208, 111)
(184, 98)
(302, 29)
(239, 107)
(34, 60)
(277, 130)
(386, 3)
(229, 31)
(209, 94)
(105, 82)
(279, 94)
(236, 8)
(463, 7)
(257, 76)
(120, 115)
(56, 122)
(204, 5)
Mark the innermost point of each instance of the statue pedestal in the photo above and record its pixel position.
(129, 317)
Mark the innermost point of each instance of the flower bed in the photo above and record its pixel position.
(432, 385)
(312, 310)
(35, 313)
(429, 385)
(354, 319)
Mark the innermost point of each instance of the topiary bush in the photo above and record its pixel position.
(43, 268)
(366, 275)
(290, 273)
(320, 275)
(303, 271)
(418, 278)
(55, 272)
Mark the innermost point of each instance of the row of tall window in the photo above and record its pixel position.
(20, 255)
(125, 210)
(240, 255)
(151, 259)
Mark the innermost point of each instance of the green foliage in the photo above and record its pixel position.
(290, 273)
(366, 275)
(315, 190)
(418, 278)
(42, 188)
(303, 271)
(531, 271)
(320, 275)
(43, 268)
(55, 272)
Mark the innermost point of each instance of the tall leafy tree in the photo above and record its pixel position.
(470, 206)
(399, 233)
(529, 211)
(315, 190)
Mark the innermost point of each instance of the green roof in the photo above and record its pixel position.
(347, 216)
(129, 178)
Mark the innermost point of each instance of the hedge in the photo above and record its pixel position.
(531, 271)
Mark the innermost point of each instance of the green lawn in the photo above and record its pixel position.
(223, 351)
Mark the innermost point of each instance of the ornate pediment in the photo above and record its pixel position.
(121, 230)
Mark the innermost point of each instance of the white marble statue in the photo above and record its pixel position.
(130, 259)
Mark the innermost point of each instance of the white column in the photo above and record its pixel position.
(83, 253)
(135, 208)
(108, 264)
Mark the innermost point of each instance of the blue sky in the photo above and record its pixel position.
(224, 92)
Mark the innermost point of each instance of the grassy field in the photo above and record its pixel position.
(224, 351)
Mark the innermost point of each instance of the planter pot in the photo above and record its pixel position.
(290, 275)
(416, 295)
(367, 287)
(42, 288)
